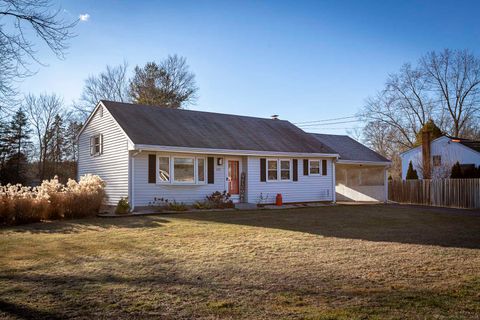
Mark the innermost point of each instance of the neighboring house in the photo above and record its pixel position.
(360, 173)
(443, 153)
(148, 152)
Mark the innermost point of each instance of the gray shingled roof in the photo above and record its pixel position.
(349, 149)
(472, 144)
(151, 125)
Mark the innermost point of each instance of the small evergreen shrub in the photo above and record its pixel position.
(411, 173)
(456, 171)
(123, 207)
(468, 172)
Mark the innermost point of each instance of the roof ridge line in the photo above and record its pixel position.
(187, 110)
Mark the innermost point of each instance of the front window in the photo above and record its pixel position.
(164, 169)
(437, 161)
(272, 170)
(184, 170)
(201, 170)
(285, 169)
(314, 167)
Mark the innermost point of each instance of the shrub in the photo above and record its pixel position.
(202, 205)
(29, 210)
(456, 172)
(177, 206)
(165, 204)
(220, 200)
(123, 207)
(411, 173)
(51, 200)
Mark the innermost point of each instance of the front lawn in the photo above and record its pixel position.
(343, 262)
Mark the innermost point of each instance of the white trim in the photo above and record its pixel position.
(464, 146)
(290, 178)
(157, 169)
(334, 182)
(131, 199)
(171, 166)
(93, 145)
(231, 152)
(204, 170)
(276, 169)
(90, 117)
(319, 167)
(367, 163)
(279, 170)
(172, 174)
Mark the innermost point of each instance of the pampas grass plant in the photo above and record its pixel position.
(51, 200)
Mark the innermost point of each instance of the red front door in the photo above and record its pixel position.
(233, 177)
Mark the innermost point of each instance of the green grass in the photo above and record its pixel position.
(344, 262)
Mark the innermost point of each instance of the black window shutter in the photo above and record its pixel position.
(305, 167)
(211, 170)
(152, 167)
(295, 169)
(263, 169)
(324, 167)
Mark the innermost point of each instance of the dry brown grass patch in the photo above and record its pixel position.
(368, 262)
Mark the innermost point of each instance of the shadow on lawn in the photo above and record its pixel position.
(24, 312)
(412, 225)
(93, 296)
(88, 224)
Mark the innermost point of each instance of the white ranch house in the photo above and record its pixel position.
(147, 152)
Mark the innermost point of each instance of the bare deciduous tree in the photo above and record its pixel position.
(111, 84)
(454, 77)
(443, 86)
(41, 111)
(169, 83)
(404, 105)
(19, 21)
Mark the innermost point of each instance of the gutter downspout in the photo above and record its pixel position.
(385, 183)
(334, 182)
(132, 182)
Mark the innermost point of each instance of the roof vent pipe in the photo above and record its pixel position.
(274, 117)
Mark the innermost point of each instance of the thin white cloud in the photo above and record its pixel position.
(84, 17)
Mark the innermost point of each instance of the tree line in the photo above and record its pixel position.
(442, 88)
(38, 132)
(38, 140)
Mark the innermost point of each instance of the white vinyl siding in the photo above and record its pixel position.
(449, 153)
(306, 189)
(145, 192)
(112, 162)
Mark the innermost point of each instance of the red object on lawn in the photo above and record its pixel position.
(279, 200)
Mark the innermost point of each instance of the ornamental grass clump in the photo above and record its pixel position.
(51, 200)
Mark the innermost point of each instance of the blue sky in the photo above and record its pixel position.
(303, 60)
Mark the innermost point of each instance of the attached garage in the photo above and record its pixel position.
(360, 173)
